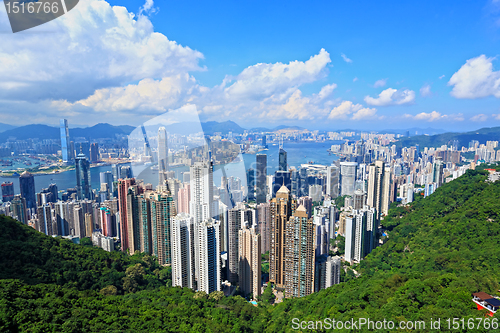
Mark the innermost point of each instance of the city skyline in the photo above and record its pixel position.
(341, 76)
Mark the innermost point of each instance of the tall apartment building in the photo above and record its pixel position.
(162, 211)
(282, 208)
(264, 222)
(237, 218)
(207, 255)
(348, 177)
(201, 191)
(299, 254)
(123, 186)
(182, 229)
(250, 261)
(378, 195)
(260, 178)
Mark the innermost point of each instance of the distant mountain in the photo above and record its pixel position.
(100, 131)
(5, 127)
(225, 127)
(282, 127)
(415, 131)
(482, 135)
(43, 132)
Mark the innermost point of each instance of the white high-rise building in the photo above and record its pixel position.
(201, 205)
(332, 271)
(348, 177)
(360, 233)
(208, 268)
(162, 155)
(182, 251)
(332, 181)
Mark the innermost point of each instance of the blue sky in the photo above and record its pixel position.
(377, 64)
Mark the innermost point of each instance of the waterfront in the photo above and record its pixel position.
(297, 153)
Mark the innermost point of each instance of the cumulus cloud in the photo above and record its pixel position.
(345, 58)
(425, 91)
(392, 96)
(108, 64)
(476, 79)
(94, 46)
(262, 80)
(479, 117)
(380, 83)
(435, 116)
(347, 108)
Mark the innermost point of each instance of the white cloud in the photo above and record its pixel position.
(441, 77)
(108, 64)
(347, 108)
(262, 80)
(355, 79)
(425, 91)
(479, 117)
(380, 83)
(345, 58)
(392, 96)
(476, 79)
(435, 116)
(148, 7)
(93, 46)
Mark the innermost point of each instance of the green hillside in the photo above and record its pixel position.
(439, 250)
(482, 135)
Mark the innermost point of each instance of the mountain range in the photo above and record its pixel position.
(482, 135)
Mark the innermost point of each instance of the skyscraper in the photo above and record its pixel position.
(260, 177)
(299, 254)
(282, 160)
(201, 191)
(7, 191)
(94, 152)
(123, 186)
(83, 188)
(67, 155)
(332, 181)
(18, 209)
(107, 178)
(237, 218)
(250, 184)
(44, 222)
(27, 187)
(208, 267)
(378, 188)
(249, 270)
(264, 221)
(281, 178)
(282, 207)
(348, 177)
(437, 171)
(162, 211)
(162, 155)
(182, 229)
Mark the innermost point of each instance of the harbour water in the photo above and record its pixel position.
(297, 153)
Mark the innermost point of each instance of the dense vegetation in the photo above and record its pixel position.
(438, 251)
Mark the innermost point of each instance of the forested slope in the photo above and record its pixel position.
(439, 250)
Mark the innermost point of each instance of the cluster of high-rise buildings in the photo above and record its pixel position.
(215, 236)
